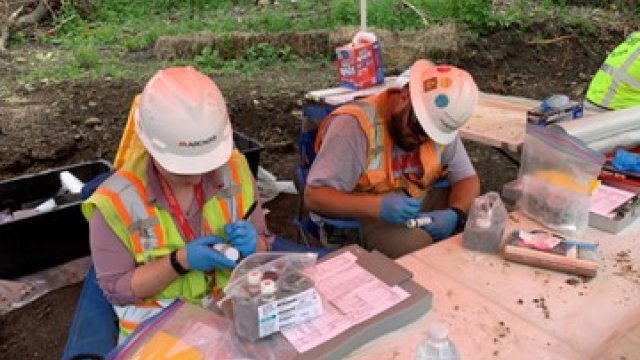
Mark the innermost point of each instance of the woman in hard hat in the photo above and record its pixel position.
(379, 158)
(154, 222)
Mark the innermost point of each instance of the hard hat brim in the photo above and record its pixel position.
(416, 90)
(194, 165)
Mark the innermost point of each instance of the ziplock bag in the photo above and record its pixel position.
(485, 224)
(557, 174)
(271, 291)
(181, 331)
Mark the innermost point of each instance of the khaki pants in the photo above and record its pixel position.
(397, 240)
(392, 240)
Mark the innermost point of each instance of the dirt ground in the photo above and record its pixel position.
(49, 125)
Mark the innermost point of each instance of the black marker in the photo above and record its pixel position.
(250, 211)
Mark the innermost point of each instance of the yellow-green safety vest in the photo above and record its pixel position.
(616, 85)
(149, 232)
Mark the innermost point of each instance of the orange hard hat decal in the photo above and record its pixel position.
(445, 82)
(430, 84)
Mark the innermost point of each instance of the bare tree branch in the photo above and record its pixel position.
(14, 22)
(415, 9)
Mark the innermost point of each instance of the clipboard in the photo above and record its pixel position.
(418, 303)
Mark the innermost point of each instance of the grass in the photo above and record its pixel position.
(99, 46)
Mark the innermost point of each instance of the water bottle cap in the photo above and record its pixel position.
(254, 277)
(437, 331)
(267, 287)
(232, 253)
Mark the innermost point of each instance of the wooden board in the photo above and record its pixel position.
(499, 121)
(340, 95)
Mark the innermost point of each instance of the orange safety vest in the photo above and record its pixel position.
(378, 178)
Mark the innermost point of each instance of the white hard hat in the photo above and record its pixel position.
(183, 123)
(443, 98)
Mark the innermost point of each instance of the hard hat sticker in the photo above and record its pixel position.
(445, 82)
(442, 101)
(430, 84)
(443, 69)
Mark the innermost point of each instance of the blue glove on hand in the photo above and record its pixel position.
(626, 161)
(398, 208)
(443, 223)
(201, 256)
(242, 236)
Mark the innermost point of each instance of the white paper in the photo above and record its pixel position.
(606, 199)
(350, 295)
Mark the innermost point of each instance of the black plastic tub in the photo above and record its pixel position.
(250, 148)
(49, 238)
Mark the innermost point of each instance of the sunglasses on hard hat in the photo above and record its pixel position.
(414, 124)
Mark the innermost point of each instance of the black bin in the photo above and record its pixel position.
(250, 148)
(49, 238)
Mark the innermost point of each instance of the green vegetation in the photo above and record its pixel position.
(98, 45)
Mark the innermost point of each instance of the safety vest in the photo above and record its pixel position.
(149, 232)
(378, 177)
(616, 85)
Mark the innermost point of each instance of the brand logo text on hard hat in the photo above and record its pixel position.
(196, 143)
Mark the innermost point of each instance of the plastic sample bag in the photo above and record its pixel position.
(486, 222)
(186, 331)
(557, 174)
(270, 291)
(181, 331)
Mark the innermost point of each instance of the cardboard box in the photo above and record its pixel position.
(360, 66)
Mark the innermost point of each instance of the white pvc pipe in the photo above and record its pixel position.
(625, 139)
(603, 126)
(363, 15)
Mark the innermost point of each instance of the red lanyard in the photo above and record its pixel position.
(175, 208)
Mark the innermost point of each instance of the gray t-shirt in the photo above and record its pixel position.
(342, 158)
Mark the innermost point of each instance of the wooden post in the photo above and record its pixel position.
(363, 15)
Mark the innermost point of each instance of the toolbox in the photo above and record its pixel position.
(36, 241)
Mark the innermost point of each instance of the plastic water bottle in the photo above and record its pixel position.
(437, 345)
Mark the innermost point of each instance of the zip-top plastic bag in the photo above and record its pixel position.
(183, 331)
(486, 222)
(557, 174)
(270, 291)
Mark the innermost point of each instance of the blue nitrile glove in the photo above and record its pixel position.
(201, 256)
(626, 161)
(242, 236)
(398, 208)
(443, 223)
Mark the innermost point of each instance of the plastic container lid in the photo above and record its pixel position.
(267, 287)
(437, 331)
